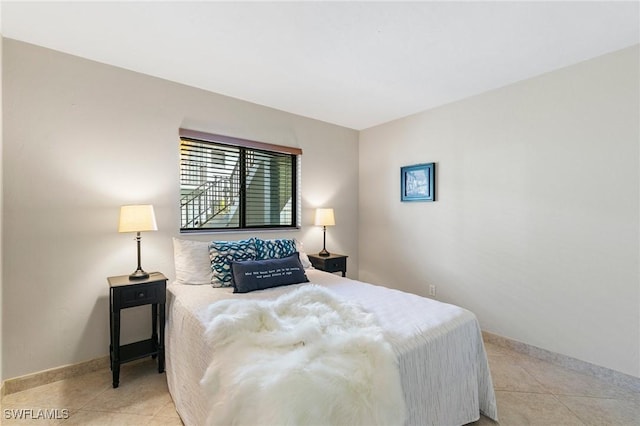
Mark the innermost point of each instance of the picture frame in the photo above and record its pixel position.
(418, 182)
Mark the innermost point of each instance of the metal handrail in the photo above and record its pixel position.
(211, 198)
(206, 201)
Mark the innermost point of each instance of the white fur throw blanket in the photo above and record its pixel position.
(306, 358)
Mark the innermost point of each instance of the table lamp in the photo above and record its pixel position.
(137, 218)
(324, 218)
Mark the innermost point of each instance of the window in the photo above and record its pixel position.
(230, 183)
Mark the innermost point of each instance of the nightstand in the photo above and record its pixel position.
(126, 293)
(331, 263)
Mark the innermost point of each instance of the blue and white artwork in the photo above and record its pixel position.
(417, 183)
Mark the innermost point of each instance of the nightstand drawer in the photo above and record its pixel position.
(331, 263)
(141, 295)
(335, 265)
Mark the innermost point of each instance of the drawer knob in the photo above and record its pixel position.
(141, 294)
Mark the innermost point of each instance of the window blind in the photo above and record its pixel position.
(225, 186)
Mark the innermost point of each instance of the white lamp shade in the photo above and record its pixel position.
(137, 218)
(324, 217)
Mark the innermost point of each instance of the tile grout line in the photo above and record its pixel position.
(569, 408)
(528, 372)
(92, 399)
(523, 391)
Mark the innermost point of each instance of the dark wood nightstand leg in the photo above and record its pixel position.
(154, 327)
(161, 344)
(115, 339)
(111, 331)
(344, 274)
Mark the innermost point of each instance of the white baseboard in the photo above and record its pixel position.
(40, 378)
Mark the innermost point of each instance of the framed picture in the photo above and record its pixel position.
(417, 183)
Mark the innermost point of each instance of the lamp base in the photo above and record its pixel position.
(324, 253)
(139, 274)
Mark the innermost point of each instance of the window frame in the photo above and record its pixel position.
(243, 145)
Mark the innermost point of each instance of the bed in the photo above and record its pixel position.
(443, 366)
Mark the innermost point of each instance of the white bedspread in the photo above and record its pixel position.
(443, 366)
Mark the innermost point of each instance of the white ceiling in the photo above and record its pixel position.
(356, 64)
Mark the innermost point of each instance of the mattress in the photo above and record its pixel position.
(443, 365)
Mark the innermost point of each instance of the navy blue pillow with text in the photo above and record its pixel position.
(251, 275)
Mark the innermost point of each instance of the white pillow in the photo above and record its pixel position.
(192, 262)
(304, 259)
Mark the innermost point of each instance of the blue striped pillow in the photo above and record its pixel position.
(222, 253)
(274, 249)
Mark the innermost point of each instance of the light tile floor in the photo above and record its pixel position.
(141, 399)
(529, 392)
(534, 392)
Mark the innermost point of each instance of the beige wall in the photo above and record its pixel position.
(83, 138)
(536, 227)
